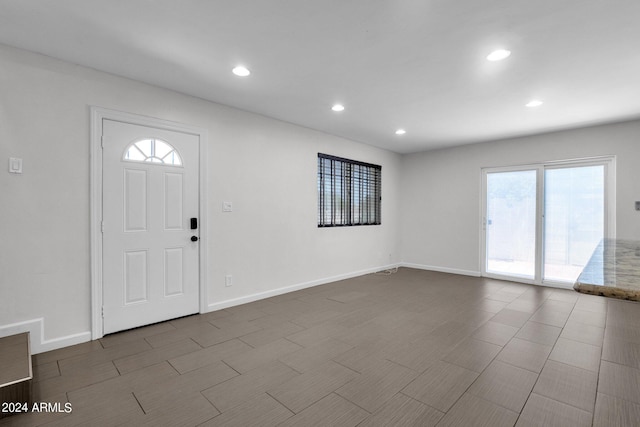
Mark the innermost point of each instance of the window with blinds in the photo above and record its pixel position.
(349, 192)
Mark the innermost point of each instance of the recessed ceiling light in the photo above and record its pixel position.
(498, 55)
(401, 132)
(534, 103)
(241, 71)
(338, 107)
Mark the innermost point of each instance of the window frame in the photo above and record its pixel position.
(352, 181)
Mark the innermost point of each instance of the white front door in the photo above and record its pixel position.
(150, 234)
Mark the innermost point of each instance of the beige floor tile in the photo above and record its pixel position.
(495, 333)
(474, 317)
(66, 352)
(101, 356)
(504, 385)
(315, 317)
(473, 411)
(206, 356)
(157, 355)
(589, 317)
(594, 304)
(615, 412)
(441, 385)
(525, 354)
(78, 378)
(164, 393)
(375, 386)
(100, 413)
(188, 331)
(418, 355)
(539, 333)
(582, 332)
(256, 357)
(306, 389)
(513, 318)
(402, 410)
(245, 312)
(577, 354)
(567, 295)
(135, 334)
(451, 333)
(379, 332)
(526, 305)
(45, 371)
(260, 411)
(243, 387)
(333, 410)
(621, 352)
(308, 358)
(473, 354)
(568, 384)
(503, 296)
(268, 335)
(345, 297)
(315, 334)
(145, 378)
(558, 305)
(186, 412)
(544, 412)
(619, 381)
(491, 305)
(624, 331)
(367, 355)
(550, 316)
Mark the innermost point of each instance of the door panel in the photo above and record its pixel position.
(511, 223)
(150, 190)
(173, 273)
(573, 219)
(173, 187)
(135, 202)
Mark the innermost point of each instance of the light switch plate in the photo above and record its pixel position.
(15, 165)
(227, 206)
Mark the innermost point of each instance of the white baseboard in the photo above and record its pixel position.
(275, 292)
(441, 269)
(35, 328)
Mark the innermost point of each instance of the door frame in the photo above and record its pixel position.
(609, 163)
(98, 114)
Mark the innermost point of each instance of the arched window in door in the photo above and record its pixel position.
(152, 150)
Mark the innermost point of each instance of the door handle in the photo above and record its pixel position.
(194, 238)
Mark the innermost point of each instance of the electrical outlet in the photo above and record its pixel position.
(228, 280)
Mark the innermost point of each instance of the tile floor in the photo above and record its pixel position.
(412, 348)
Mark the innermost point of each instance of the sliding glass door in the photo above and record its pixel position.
(574, 206)
(541, 223)
(511, 223)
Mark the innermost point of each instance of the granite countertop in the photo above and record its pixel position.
(613, 270)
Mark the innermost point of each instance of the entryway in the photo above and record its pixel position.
(149, 224)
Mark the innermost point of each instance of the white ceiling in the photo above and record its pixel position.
(413, 64)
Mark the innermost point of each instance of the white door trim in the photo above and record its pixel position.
(98, 114)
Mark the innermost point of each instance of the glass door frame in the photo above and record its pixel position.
(609, 212)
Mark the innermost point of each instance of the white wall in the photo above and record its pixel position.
(441, 190)
(267, 168)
